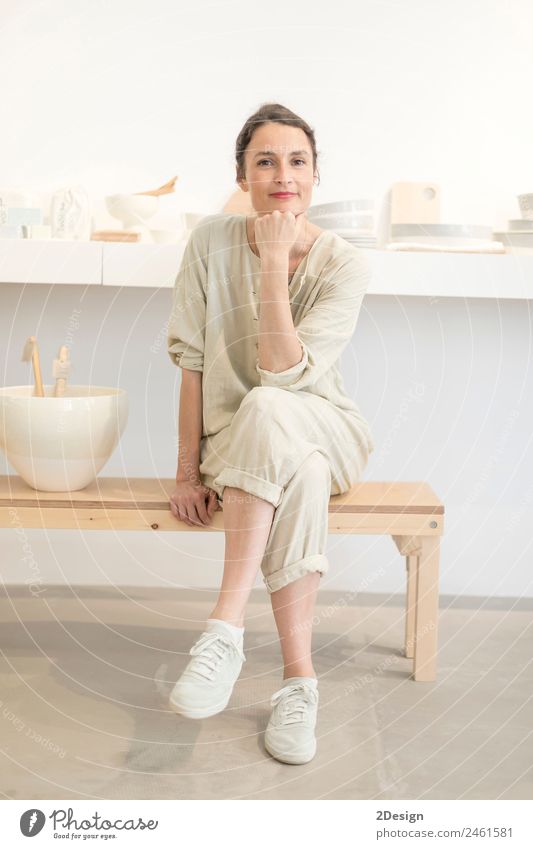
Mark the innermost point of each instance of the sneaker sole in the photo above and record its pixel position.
(197, 713)
(295, 758)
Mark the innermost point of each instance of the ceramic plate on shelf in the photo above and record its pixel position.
(520, 225)
(416, 232)
(341, 207)
(348, 232)
(516, 238)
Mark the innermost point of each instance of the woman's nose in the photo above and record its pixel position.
(283, 174)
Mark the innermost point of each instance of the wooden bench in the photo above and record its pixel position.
(410, 513)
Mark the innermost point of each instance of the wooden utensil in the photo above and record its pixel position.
(61, 370)
(162, 190)
(31, 352)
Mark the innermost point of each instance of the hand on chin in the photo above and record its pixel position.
(275, 231)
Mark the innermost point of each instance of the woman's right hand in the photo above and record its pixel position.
(193, 503)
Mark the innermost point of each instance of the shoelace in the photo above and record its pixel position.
(209, 651)
(294, 701)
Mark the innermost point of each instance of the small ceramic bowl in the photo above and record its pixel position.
(167, 237)
(60, 444)
(526, 206)
(191, 219)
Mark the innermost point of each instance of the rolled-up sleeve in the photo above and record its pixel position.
(186, 327)
(327, 327)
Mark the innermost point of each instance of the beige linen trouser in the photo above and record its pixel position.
(293, 449)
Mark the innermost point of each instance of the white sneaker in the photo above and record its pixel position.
(206, 684)
(290, 733)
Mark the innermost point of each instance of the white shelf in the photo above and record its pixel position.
(53, 261)
(399, 273)
(141, 265)
(451, 275)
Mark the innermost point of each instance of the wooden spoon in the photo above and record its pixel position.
(31, 352)
(162, 190)
(61, 371)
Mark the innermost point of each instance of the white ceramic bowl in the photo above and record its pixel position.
(526, 206)
(60, 444)
(132, 210)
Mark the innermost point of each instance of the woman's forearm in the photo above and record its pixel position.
(279, 347)
(190, 425)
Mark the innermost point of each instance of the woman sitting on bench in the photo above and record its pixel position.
(263, 307)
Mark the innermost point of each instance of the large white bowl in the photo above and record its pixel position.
(132, 210)
(60, 444)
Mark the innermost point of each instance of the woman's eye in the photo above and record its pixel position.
(261, 161)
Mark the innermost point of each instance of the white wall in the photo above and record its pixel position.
(120, 96)
(123, 95)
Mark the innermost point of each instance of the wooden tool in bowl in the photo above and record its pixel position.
(162, 190)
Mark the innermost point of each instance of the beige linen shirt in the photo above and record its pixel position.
(214, 322)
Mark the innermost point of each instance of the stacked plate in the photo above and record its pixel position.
(461, 238)
(352, 220)
(520, 232)
(519, 236)
(441, 234)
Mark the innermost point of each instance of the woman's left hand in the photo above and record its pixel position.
(275, 233)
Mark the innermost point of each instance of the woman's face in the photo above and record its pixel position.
(278, 166)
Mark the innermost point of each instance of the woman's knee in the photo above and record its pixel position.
(309, 487)
(315, 471)
(263, 402)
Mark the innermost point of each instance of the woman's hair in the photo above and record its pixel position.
(266, 114)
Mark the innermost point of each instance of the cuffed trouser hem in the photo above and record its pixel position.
(279, 579)
(266, 490)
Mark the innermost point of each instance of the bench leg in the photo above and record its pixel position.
(409, 547)
(426, 567)
(410, 608)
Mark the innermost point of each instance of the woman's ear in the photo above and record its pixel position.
(241, 182)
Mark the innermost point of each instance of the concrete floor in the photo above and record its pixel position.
(85, 675)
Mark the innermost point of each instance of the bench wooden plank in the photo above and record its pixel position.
(142, 519)
(152, 493)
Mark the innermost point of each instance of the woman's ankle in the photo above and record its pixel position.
(301, 672)
(225, 616)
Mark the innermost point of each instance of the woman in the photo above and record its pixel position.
(263, 307)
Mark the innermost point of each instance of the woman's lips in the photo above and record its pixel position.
(284, 195)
